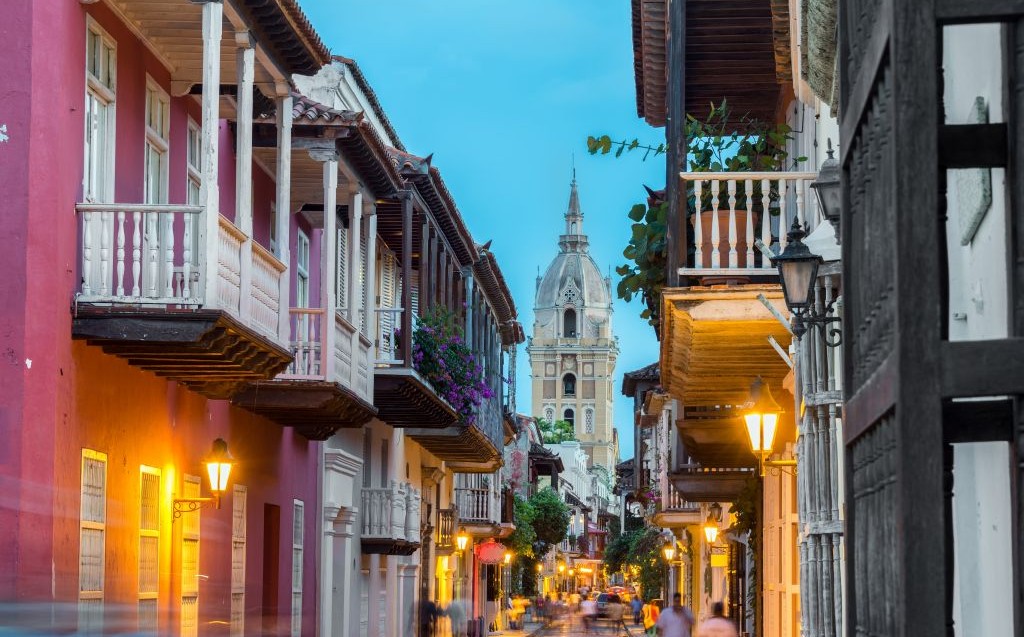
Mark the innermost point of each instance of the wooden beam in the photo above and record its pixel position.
(978, 421)
(973, 145)
(982, 368)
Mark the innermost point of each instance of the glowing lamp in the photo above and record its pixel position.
(462, 539)
(669, 550)
(218, 466)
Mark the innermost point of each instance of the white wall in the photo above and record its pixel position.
(978, 307)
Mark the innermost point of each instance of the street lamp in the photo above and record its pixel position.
(798, 270)
(508, 558)
(669, 551)
(711, 523)
(826, 189)
(218, 466)
(762, 419)
(462, 539)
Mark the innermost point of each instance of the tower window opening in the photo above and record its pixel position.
(572, 228)
(569, 385)
(569, 323)
(570, 417)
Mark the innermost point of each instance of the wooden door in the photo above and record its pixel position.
(902, 373)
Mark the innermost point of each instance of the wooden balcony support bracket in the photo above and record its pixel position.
(404, 399)
(315, 409)
(209, 351)
(465, 446)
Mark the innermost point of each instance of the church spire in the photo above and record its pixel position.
(573, 237)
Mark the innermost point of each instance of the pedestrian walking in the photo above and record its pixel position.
(676, 620)
(650, 613)
(457, 617)
(717, 625)
(637, 606)
(588, 611)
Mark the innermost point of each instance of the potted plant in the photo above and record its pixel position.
(719, 143)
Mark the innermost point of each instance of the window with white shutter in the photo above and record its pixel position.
(298, 526)
(149, 548)
(341, 270)
(190, 561)
(92, 538)
(157, 142)
(363, 322)
(238, 535)
(387, 300)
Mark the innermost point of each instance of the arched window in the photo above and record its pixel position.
(569, 323)
(569, 385)
(549, 414)
(570, 417)
(588, 421)
(572, 228)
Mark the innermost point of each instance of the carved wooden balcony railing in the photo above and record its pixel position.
(390, 519)
(146, 295)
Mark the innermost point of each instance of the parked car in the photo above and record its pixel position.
(602, 604)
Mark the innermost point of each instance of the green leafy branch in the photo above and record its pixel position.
(604, 145)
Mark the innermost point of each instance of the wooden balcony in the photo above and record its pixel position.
(315, 395)
(738, 209)
(480, 514)
(676, 511)
(152, 294)
(390, 519)
(710, 484)
(446, 530)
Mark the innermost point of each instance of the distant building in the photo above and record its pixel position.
(573, 350)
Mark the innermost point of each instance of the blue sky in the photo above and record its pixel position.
(503, 94)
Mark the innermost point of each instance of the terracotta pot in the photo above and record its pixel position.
(706, 221)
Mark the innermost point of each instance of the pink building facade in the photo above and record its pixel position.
(109, 403)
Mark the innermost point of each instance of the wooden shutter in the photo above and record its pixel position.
(92, 542)
(239, 508)
(298, 544)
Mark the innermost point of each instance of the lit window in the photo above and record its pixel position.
(92, 546)
(238, 536)
(149, 549)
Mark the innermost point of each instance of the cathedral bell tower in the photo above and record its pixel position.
(572, 349)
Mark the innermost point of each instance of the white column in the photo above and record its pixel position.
(328, 257)
(209, 193)
(284, 205)
(340, 598)
(373, 598)
(467, 276)
(355, 215)
(370, 293)
(394, 596)
(246, 63)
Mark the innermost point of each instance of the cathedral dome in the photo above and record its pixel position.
(573, 278)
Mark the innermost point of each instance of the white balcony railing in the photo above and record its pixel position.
(351, 351)
(149, 255)
(672, 500)
(737, 209)
(391, 512)
(139, 254)
(474, 504)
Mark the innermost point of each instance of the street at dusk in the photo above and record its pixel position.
(551, 318)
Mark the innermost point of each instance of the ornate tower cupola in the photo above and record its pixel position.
(573, 240)
(572, 349)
